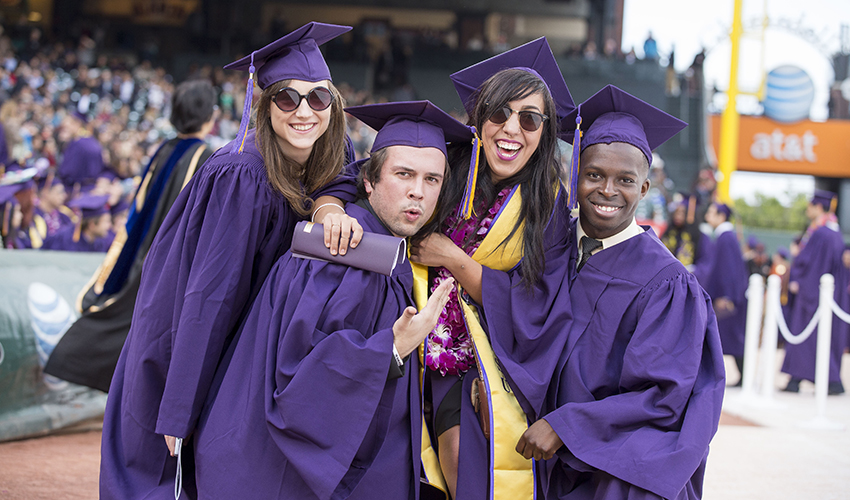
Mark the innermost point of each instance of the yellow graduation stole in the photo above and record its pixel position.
(430, 461)
(38, 231)
(513, 476)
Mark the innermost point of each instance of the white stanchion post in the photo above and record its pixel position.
(827, 290)
(755, 305)
(771, 336)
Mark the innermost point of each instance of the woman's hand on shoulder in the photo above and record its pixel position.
(434, 250)
(341, 232)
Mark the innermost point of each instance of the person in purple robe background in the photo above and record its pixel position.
(82, 157)
(91, 233)
(685, 240)
(11, 216)
(51, 212)
(820, 251)
(639, 391)
(726, 284)
(320, 395)
(215, 247)
(515, 101)
(19, 230)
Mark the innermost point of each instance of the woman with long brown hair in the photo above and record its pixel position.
(502, 235)
(212, 254)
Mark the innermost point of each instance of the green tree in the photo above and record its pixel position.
(767, 212)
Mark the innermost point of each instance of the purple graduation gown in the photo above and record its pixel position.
(640, 383)
(304, 408)
(728, 278)
(64, 240)
(820, 255)
(209, 259)
(527, 330)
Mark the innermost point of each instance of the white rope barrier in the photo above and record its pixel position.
(842, 315)
(774, 322)
(786, 333)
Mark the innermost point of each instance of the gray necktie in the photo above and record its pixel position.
(588, 245)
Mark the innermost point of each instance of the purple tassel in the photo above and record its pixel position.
(571, 202)
(239, 143)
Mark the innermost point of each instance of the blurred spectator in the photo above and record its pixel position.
(650, 48)
(671, 79)
(589, 52)
(611, 50)
(758, 262)
(93, 231)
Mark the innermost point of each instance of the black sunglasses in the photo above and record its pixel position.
(288, 99)
(528, 120)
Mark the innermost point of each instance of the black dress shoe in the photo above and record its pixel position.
(835, 388)
(793, 385)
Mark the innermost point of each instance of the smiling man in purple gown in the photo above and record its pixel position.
(638, 394)
(320, 396)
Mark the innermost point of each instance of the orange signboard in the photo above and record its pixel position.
(812, 148)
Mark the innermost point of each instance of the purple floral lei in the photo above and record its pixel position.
(449, 348)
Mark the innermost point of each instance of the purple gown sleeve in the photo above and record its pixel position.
(654, 431)
(344, 186)
(528, 328)
(329, 374)
(211, 249)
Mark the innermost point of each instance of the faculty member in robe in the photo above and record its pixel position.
(319, 397)
(640, 385)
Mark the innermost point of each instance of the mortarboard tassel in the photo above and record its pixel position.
(464, 210)
(239, 143)
(78, 226)
(833, 204)
(571, 202)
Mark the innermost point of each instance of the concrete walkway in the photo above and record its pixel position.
(781, 451)
(761, 451)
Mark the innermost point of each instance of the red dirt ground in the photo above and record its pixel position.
(65, 466)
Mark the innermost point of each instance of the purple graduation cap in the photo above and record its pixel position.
(82, 161)
(293, 56)
(826, 199)
(120, 206)
(535, 57)
(419, 124)
(612, 115)
(91, 205)
(724, 209)
(88, 206)
(752, 241)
